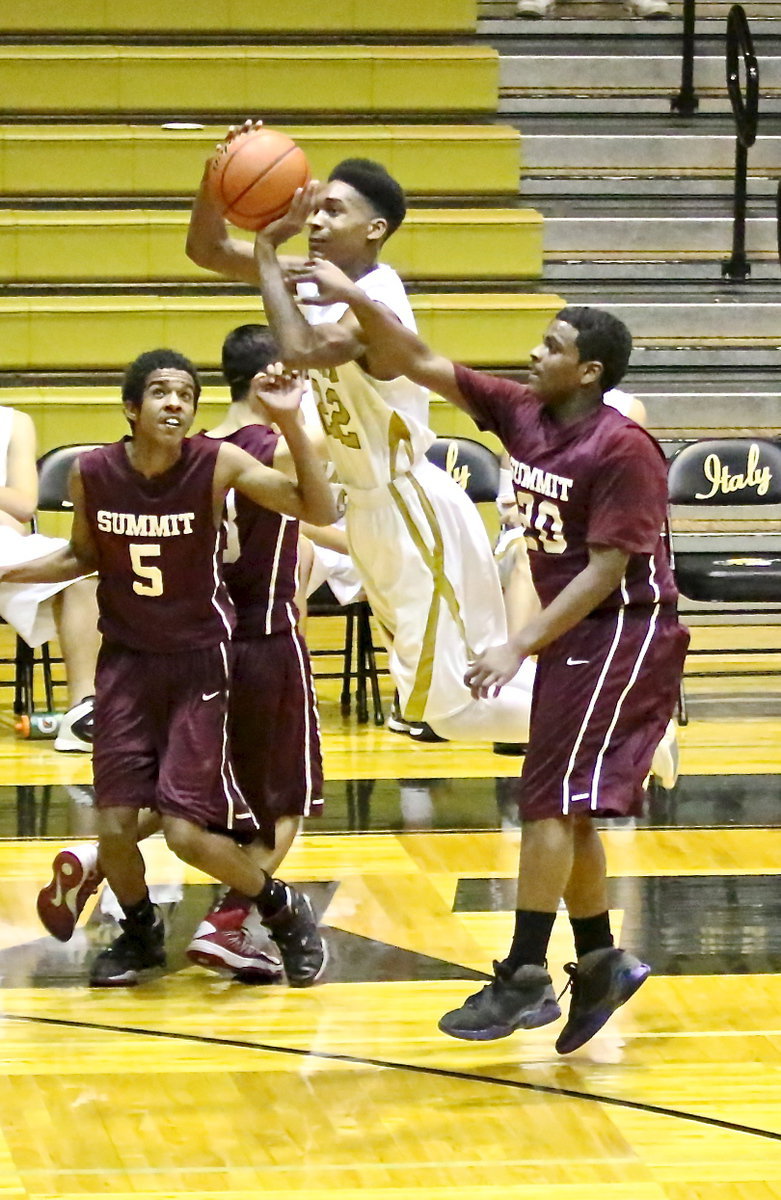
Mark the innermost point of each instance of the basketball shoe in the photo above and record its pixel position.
(396, 722)
(519, 999)
(75, 732)
(601, 982)
(664, 765)
(75, 877)
(223, 943)
(138, 948)
(294, 929)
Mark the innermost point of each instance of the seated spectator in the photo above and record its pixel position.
(40, 611)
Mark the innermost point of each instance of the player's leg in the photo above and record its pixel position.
(77, 875)
(275, 743)
(141, 945)
(520, 996)
(604, 976)
(429, 573)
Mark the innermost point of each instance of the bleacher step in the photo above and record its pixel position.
(40, 159)
(148, 245)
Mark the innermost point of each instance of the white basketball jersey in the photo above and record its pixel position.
(375, 429)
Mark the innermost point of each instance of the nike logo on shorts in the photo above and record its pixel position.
(577, 662)
(210, 695)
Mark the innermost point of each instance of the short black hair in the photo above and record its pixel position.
(245, 351)
(603, 338)
(376, 185)
(142, 367)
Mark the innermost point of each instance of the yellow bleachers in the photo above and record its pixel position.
(148, 244)
(225, 16)
(126, 79)
(38, 159)
(106, 331)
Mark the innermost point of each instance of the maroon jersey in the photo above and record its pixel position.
(600, 481)
(262, 552)
(160, 585)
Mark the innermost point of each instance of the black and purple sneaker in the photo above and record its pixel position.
(601, 982)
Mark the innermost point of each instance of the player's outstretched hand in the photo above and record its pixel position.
(332, 283)
(279, 389)
(492, 669)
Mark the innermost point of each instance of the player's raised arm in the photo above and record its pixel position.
(209, 242)
(300, 344)
(309, 496)
(75, 559)
(391, 348)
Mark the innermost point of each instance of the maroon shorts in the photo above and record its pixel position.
(274, 729)
(161, 737)
(603, 695)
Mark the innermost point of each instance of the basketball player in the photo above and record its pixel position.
(273, 720)
(272, 712)
(148, 516)
(416, 539)
(591, 486)
(38, 611)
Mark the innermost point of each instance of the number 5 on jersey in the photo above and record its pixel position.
(149, 578)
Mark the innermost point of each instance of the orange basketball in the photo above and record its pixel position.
(252, 180)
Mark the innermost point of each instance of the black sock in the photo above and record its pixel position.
(531, 937)
(272, 897)
(591, 933)
(141, 913)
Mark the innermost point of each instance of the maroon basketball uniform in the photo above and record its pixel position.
(161, 688)
(605, 690)
(273, 719)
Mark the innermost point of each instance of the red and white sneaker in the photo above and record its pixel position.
(250, 959)
(75, 877)
(230, 912)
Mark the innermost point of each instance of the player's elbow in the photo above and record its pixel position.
(322, 511)
(202, 253)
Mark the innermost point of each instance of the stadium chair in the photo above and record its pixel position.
(359, 660)
(723, 490)
(472, 465)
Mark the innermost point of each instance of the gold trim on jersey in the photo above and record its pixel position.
(442, 591)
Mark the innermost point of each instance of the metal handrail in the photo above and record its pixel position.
(740, 48)
(685, 103)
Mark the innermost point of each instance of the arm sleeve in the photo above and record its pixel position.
(629, 495)
(495, 404)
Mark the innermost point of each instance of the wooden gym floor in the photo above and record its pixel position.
(193, 1087)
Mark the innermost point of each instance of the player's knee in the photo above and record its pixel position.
(117, 826)
(182, 838)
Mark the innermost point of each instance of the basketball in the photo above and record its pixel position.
(253, 178)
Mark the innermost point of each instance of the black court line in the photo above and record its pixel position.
(416, 1069)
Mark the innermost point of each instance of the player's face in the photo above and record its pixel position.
(344, 225)
(556, 372)
(167, 407)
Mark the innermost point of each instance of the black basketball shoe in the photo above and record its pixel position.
(75, 732)
(601, 982)
(520, 999)
(137, 949)
(294, 929)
